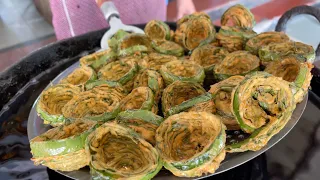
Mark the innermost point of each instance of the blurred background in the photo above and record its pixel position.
(26, 25)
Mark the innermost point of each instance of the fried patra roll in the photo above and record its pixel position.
(80, 76)
(62, 148)
(134, 43)
(52, 100)
(117, 152)
(106, 86)
(238, 15)
(182, 71)
(292, 70)
(183, 96)
(120, 71)
(221, 95)
(275, 51)
(143, 122)
(236, 63)
(192, 16)
(157, 30)
(191, 143)
(139, 98)
(113, 42)
(208, 56)
(168, 47)
(262, 105)
(152, 79)
(255, 43)
(193, 31)
(234, 38)
(99, 104)
(154, 61)
(205, 106)
(98, 59)
(215, 43)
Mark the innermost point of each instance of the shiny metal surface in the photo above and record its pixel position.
(36, 127)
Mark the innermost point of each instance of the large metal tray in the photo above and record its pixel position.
(36, 127)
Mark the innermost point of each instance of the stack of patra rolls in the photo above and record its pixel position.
(169, 98)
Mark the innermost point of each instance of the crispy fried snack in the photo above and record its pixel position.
(292, 70)
(153, 80)
(182, 71)
(122, 71)
(62, 148)
(236, 63)
(99, 59)
(143, 122)
(168, 47)
(185, 96)
(80, 76)
(255, 43)
(154, 61)
(194, 30)
(191, 143)
(157, 30)
(234, 38)
(117, 152)
(52, 100)
(262, 105)
(101, 103)
(139, 98)
(239, 16)
(134, 43)
(275, 51)
(208, 57)
(221, 95)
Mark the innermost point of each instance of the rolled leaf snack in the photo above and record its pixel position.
(114, 41)
(139, 98)
(183, 95)
(208, 57)
(143, 122)
(52, 100)
(221, 95)
(63, 148)
(157, 30)
(80, 76)
(99, 104)
(120, 71)
(182, 71)
(154, 61)
(168, 47)
(194, 30)
(134, 43)
(106, 86)
(192, 16)
(275, 51)
(236, 63)
(152, 79)
(234, 38)
(255, 43)
(117, 152)
(191, 143)
(262, 105)
(99, 59)
(238, 15)
(292, 70)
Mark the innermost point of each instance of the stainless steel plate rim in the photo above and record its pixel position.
(36, 127)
